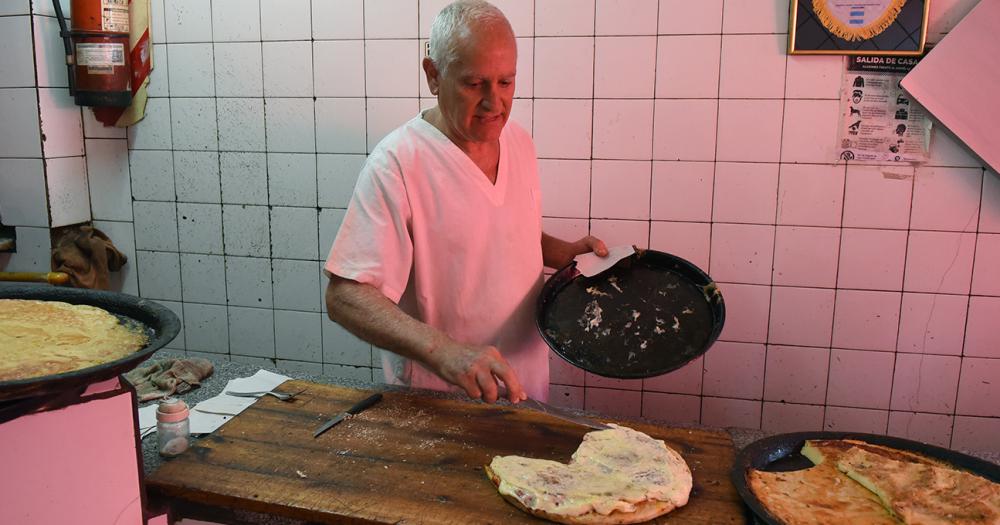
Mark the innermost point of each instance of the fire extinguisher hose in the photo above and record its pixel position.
(68, 44)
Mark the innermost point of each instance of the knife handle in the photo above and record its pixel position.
(365, 403)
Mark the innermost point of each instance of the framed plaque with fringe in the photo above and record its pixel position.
(857, 27)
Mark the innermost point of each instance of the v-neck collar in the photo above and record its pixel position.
(495, 192)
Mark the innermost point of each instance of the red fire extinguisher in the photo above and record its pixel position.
(97, 52)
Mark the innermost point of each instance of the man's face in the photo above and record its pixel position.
(476, 94)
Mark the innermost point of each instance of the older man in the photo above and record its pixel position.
(439, 258)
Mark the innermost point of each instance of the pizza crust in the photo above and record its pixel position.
(616, 476)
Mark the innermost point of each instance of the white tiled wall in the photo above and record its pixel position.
(43, 171)
(859, 297)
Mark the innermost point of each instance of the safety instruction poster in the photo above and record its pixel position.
(879, 121)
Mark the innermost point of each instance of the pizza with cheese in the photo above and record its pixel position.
(49, 337)
(924, 493)
(821, 495)
(858, 482)
(616, 476)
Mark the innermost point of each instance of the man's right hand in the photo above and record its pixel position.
(477, 370)
(368, 314)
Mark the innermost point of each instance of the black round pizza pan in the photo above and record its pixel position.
(780, 453)
(649, 314)
(160, 324)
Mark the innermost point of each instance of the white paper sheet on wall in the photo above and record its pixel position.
(957, 81)
(878, 121)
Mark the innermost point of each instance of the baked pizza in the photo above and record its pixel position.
(48, 337)
(858, 482)
(820, 495)
(616, 476)
(924, 493)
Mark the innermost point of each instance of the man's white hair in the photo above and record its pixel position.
(453, 26)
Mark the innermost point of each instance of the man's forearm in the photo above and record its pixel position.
(370, 315)
(366, 313)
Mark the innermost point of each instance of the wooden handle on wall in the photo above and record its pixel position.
(57, 278)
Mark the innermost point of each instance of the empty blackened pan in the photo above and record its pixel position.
(650, 313)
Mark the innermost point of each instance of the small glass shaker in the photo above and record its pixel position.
(172, 427)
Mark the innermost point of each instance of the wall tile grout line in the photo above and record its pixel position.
(267, 177)
(590, 163)
(711, 207)
(315, 181)
(38, 113)
(899, 315)
(968, 307)
(218, 160)
(173, 167)
(774, 238)
(652, 147)
(833, 315)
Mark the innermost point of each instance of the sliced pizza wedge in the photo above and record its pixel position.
(820, 495)
(924, 493)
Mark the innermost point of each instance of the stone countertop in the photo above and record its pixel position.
(227, 370)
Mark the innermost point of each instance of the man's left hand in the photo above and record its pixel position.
(558, 253)
(590, 244)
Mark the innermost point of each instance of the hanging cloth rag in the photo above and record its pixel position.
(168, 377)
(87, 255)
(857, 19)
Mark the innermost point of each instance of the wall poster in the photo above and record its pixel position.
(879, 121)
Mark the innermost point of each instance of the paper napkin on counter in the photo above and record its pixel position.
(211, 413)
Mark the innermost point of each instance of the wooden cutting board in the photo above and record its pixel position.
(409, 459)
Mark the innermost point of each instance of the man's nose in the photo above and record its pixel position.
(491, 96)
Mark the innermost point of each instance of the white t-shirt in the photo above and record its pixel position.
(427, 229)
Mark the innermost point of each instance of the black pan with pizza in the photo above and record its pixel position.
(782, 453)
(159, 323)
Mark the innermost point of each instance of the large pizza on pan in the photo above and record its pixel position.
(616, 476)
(858, 482)
(41, 338)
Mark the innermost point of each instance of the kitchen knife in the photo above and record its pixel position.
(354, 410)
(561, 414)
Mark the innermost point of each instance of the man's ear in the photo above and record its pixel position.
(433, 75)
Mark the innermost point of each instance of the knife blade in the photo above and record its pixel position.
(354, 410)
(561, 414)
